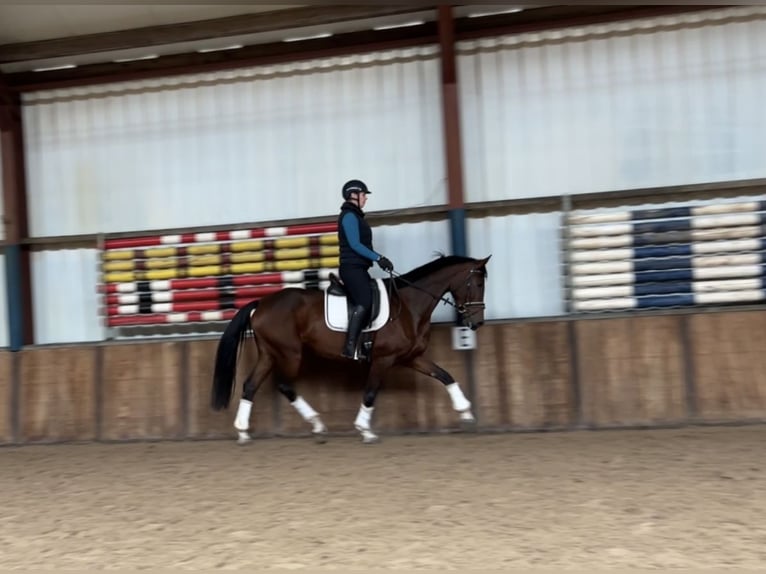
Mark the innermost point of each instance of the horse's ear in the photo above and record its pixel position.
(486, 259)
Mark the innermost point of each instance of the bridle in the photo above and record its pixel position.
(465, 310)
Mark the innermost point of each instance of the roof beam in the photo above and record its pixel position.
(556, 17)
(245, 24)
(339, 44)
(260, 54)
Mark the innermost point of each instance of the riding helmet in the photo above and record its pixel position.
(354, 186)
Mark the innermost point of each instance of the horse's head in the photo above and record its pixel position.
(467, 288)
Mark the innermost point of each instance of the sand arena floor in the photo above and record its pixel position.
(584, 500)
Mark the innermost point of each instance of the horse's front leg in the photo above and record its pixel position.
(363, 421)
(459, 401)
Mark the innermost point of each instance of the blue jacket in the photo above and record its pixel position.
(355, 237)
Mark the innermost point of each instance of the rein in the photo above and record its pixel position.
(461, 309)
(393, 275)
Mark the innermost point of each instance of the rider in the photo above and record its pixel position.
(356, 257)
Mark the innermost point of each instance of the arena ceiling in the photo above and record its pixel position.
(36, 35)
(59, 42)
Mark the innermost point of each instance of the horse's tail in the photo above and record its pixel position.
(226, 356)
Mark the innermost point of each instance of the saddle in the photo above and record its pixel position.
(337, 309)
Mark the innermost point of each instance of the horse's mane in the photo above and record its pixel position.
(432, 266)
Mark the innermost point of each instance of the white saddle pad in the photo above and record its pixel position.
(336, 310)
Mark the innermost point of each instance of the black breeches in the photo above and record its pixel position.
(357, 282)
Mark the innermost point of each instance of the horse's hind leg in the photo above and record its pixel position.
(253, 382)
(307, 412)
(459, 402)
(362, 423)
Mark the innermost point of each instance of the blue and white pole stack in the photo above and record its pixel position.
(670, 257)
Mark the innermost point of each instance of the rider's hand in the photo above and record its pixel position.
(385, 264)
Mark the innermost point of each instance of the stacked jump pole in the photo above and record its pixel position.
(695, 255)
(206, 277)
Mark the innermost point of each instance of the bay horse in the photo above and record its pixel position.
(286, 322)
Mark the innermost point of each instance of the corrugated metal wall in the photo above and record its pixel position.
(65, 296)
(244, 145)
(524, 273)
(411, 245)
(656, 102)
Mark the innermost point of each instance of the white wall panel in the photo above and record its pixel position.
(524, 274)
(65, 296)
(654, 102)
(5, 336)
(274, 142)
(412, 245)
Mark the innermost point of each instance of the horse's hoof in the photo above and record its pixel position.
(370, 439)
(320, 437)
(243, 438)
(468, 424)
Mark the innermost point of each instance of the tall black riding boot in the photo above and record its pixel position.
(355, 326)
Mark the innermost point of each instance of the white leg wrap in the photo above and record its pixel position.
(242, 421)
(304, 409)
(309, 414)
(362, 421)
(317, 426)
(362, 424)
(459, 402)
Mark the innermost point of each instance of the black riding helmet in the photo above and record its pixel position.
(354, 186)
